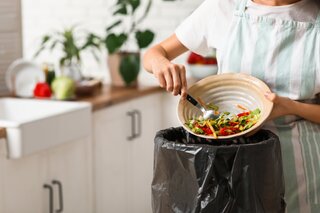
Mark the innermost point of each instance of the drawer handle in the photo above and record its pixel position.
(59, 184)
(138, 121)
(133, 127)
(46, 186)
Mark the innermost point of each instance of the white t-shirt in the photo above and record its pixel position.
(208, 26)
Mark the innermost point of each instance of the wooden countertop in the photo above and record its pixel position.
(109, 95)
(2, 132)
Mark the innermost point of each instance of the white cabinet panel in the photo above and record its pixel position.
(23, 185)
(69, 165)
(112, 159)
(22, 180)
(2, 173)
(123, 167)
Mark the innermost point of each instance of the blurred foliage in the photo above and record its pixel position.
(126, 10)
(70, 44)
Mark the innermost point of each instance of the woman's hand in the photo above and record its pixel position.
(171, 76)
(281, 105)
(285, 106)
(157, 60)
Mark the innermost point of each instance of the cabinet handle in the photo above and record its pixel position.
(132, 136)
(58, 183)
(138, 116)
(46, 186)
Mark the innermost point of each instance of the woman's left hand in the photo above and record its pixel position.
(281, 105)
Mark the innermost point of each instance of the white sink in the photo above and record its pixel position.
(33, 125)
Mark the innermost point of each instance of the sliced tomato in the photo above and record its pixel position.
(243, 114)
(207, 130)
(232, 123)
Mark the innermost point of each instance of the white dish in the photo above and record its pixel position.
(22, 76)
(200, 71)
(228, 91)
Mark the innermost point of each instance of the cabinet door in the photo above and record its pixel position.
(22, 180)
(141, 167)
(69, 164)
(2, 172)
(123, 167)
(111, 155)
(22, 187)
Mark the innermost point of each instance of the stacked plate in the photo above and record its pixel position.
(22, 76)
(228, 91)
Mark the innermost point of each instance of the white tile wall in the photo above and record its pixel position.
(42, 16)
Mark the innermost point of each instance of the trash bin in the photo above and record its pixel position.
(193, 174)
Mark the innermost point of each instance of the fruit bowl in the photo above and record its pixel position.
(200, 71)
(202, 66)
(228, 92)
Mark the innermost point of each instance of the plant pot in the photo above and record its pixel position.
(124, 68)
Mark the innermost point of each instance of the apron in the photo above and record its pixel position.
(285, 55)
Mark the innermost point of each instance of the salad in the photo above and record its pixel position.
(226, 124)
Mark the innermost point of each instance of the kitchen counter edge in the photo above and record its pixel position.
(110, 95)
(3, 132)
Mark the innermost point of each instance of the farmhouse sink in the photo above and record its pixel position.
(34, 125)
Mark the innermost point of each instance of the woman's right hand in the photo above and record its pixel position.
(157, 60)
(170, 76)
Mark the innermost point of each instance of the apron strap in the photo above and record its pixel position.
(241, 7)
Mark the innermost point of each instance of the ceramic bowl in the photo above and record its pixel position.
(200, 71)
(228, 91)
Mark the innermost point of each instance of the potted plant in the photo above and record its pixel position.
(124, 41)
(71, 44)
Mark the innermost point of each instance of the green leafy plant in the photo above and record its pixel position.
(71, 44)
(125, 11)
(119, 33)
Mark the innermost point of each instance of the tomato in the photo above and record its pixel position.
(243, 114)
(207, 130)
(210, 60)
(42, 90)
(194, 58)
(231, 123)
(224, 131)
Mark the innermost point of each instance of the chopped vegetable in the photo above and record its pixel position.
(242, 107)
(225, 124)
(212, 107)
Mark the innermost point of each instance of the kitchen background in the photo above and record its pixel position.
(93, 154)
(40, 17)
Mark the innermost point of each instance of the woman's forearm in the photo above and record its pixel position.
(309, 112)
(285, 106)
(162, 53)
(154, 55)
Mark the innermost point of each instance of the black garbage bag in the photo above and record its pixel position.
(194, 175)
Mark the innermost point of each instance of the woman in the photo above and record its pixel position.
(277, 41)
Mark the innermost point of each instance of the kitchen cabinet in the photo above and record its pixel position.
(2, 153)
(22, 182)
(123, 154)
(70, 165)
